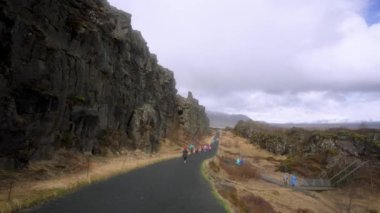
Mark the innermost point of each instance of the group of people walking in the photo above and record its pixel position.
(191, 149)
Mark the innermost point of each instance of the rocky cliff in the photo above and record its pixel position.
(192, 117)
(75, 74)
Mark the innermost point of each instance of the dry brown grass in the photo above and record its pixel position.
(229, 193)
(304, 211)
(368, 178)
(213, 166)
(255, 204)
(230, 152)
(244, 202)
(243, 172)
(236, 145)
(226, 145)
(272, 159)
(64, 162)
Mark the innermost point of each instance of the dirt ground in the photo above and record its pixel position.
(68, 171)
(282, 199)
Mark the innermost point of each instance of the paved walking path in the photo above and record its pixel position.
(169, 186)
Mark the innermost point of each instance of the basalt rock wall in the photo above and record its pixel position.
(75, 74)
(193, 120)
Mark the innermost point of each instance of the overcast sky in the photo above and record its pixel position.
(275, 61)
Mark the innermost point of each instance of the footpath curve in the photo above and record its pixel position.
(168, 186)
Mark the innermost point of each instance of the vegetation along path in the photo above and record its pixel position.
(169, 186)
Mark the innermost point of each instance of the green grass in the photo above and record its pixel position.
(215, 193)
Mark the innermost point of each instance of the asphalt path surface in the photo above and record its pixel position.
(169, 186)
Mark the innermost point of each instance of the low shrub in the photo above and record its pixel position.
(289, 163)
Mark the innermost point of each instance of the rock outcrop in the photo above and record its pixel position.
(288, 141)
(331, 149)
(75, 74)
(192, 117)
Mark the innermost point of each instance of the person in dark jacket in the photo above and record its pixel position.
(184, 155)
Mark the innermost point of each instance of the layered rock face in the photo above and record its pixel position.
(192, 117)
(75, 74)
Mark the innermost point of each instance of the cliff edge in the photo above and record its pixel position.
(75, 74)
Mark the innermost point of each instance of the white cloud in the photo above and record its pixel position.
(274, 60)
(353, 60)
(301, 107)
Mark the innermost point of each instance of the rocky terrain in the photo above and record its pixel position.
(246, 188)
(314, 153)
(75, 74)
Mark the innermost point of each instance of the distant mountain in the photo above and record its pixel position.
(222, 120)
